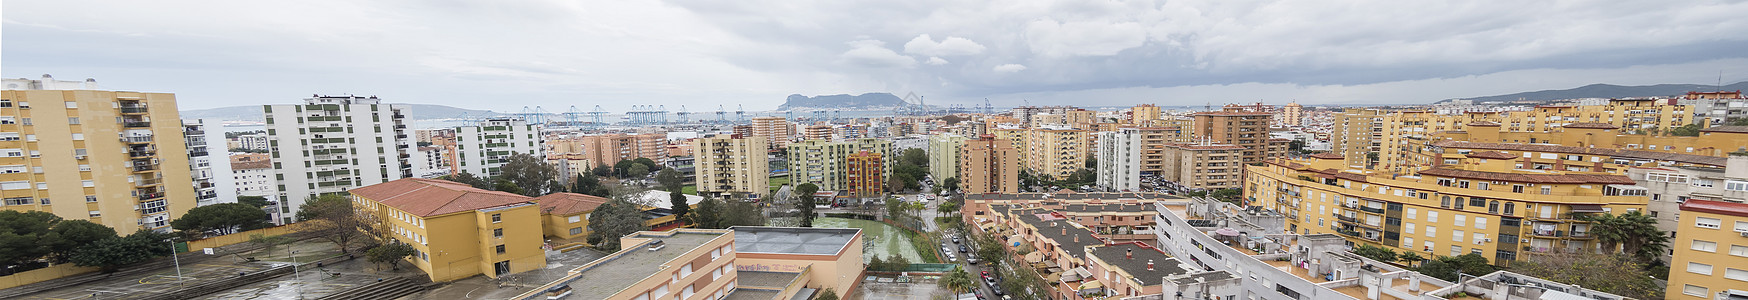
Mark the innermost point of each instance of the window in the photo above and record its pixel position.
(1705, 246)
(1432, 216)
(1741, 226)
(71, 104)
(90, 198)
(1694, 290)
(574, 219)
(1666, 177)
(1510, 208)
(1547, 190)
(1456, 250)
(1736, 274)
(714, 274)
(1461, 220)
(78, 136)
(1408, 229)
(686, 270)
(497, 218)
(500, 249)
(1410, 212)
(1699, 268)
(1736, 185)
(1738, 250)
(1703, 222)
(498, 233)
(1456, 235)
(1704, 183)
(45, 201)
(576, 230)
(1431, 231)
(88, 183)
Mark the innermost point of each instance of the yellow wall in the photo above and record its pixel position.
(559, 226)
(824, 271)
(1720, 259)
(459, 245)
(43, 274)
(112, 186)
(670, 268)
(236, 238)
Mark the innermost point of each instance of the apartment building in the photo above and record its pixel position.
(431, 162)
(254, 141)
(1291, 114)
(1132, 269)
(865, 174)
(944, 155)
(1711, 252)
(825, 163)
(732, 166)
(989, 165)
(1115, 217)
(1140, 114)
(1240, 128)
(1481, 204)
(736, 263)
(55, 144)
(253, 173)
(1395, 133)
(565, 216)
(1119, 160)
(1153, 142)
(1055, 152)
(1716, 108)
(457, 231)
(1357, 132)
(609, 149)
(817, 132)
(200, 164)
(776, 131)
(331, 144)
(1201, 166)
(484, 148)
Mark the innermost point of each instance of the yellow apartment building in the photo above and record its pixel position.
(566, 215)
(1140, 114)
(989, 165)
(1055, 152)
(1711, 252)
(865, 174)
(1479, 204)
(115, 158)
(457, 231)
(732, 166)
(1394, 133)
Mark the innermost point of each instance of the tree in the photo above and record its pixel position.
(741, 213)
(1613, 273)
(1739, 122)
(914, 156)
(637, 171)
(622, 167)
(224, 218)
(804, 202)
(331, 217)
(1409, 257)
(1376, 253)
(613, 220)
(989, 248)
(111, 254)
(256, 201)
(827, 294)
(1447, 267)
(390, 253)
(670, 179)
(469, 179)
(22, 235)
(589, 184)
(268, 242)
(1634, 233)
(957, 281)
(708, 215)
(897, 182)
(677, 202)
(602, 170)
(951, 184)
(647, 163)
(1685, 130)
(503, 185)
(71, 235)
(530, 173)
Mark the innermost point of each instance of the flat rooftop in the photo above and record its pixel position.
(792, 240)
(634, 265)
(749, 294)
(761, 279)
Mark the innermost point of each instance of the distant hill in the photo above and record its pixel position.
(414, 111)
(841, 101)
(1610, 91)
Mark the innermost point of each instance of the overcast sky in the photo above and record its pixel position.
(504, 55)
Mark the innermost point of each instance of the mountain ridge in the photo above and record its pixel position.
(1600, 90)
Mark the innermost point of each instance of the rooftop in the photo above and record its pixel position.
(750, 294)
(1716, 207)
(792, 240)
(1536, 178)
(431, 197)
(1117, 257)
(1074, 241)
(632, 265)
(1675, 157)
(566, 204)
(761, 279)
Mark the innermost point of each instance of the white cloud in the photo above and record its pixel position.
(1052, 38)
(872, 53)
(1010, 68)
(936, 61)
(952, 45)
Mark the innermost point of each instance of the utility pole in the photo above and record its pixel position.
(177, 260)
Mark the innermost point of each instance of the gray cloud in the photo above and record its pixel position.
(618, 53)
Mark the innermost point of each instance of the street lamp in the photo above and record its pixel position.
(295, 276)
(177, 260)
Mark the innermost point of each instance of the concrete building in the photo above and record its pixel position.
(200, 164)
(485, 147)
(565, 216)
(1481, 204)
(1119, 160)
(818, 132)
(1292, 114)
(911, 141)
(253, 173)
(1626, 119)
(609, 149)
(944, 155)
(824, 163)
(1239, 128)
(55, 144)
(736, 263)
(989, 165)
(776, 131)
(430, 163)
(732, 166)
(865, 174)
(1055, 152)
(1711, 253)
(255, 141)
(1202, 166)
(457, 231)
(1716, 108)
(331, 144)
(1141, 114)
(1356, 133)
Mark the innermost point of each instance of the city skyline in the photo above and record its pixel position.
(700, 54)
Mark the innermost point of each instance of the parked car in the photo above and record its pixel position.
(963, 249)
(955, 239)
(971, 258)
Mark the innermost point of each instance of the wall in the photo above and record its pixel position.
(237, 238)
(840, 273)
(43, 274)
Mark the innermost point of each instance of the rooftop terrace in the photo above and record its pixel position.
(632, 265)
(783, 240)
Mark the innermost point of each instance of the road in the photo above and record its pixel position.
(976, 270)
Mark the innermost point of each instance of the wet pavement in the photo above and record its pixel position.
(313, 282)
(558, 264)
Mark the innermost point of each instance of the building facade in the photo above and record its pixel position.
(200, 164)
(1119, 160)
(1239, 128)
(253, 174)
(54, 144)
(732, 166)
(484, 148)
(989, 165)
(1202, 166)
(866, 175)
(776, 131)
(944, 155)
(824, 163)
(456, 231)
(1711, 253)
(1055, 152)
(331, 144)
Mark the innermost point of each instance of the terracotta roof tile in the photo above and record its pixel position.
(431, 197)
(565, 204)
(1716, 207)
(1491, 155)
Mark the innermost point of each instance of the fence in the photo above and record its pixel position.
(235, 238)
(43, 274)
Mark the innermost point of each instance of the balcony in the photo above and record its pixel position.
(141, 154)
(148, 182)
(145, 168)
(128, 110)
(137, 139)
(136, 124)
(197, 153)
(1548, 233)
(1372, 210)
(150, 196)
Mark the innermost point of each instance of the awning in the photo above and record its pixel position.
(1227, 231)
(1053, 278)
(1094, 285)
(1083, 272)
(1050, 264)
(1034, 257)
(1586, 208)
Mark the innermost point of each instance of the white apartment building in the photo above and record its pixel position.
(1119, 160)
(430, 163)
(200, 164)
(482, 149)
(1672, 185)
(331, 144)
(256, 141)
(253, 175)
(944, 155)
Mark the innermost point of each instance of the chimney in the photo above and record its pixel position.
(1129, 253)
(1064, 230)
(1150, 265)
(1077, 238)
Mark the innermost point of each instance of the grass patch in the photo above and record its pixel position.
(689, 190)
(887, 239)
(777, 183)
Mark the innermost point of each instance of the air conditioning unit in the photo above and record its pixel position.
(79, 157)
(1744, 233)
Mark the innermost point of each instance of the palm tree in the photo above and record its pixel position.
(1634, 233)
(957, 280)
(1410, 257)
